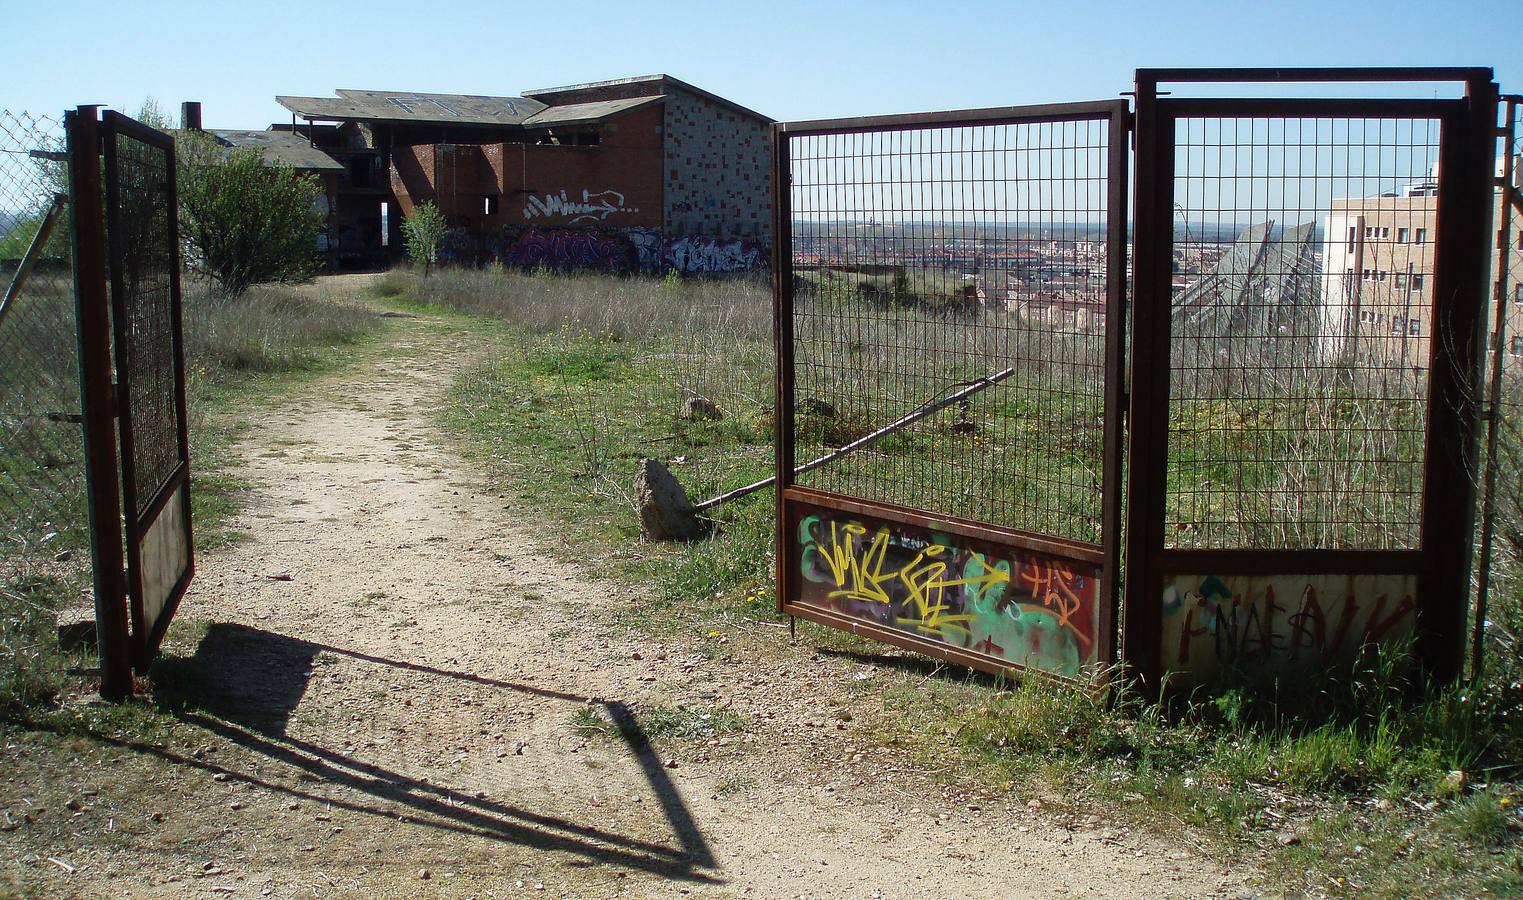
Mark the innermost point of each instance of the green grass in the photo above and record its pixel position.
(658, 722)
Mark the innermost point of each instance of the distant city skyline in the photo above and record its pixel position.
(789, 60)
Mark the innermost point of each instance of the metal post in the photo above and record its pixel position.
(92, 311)
(782, 315)
(1149, 407)
(1115, 375)
(1467, 159)
(1494, 396)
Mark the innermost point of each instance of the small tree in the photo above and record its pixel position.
(247, 222)
(422, 232)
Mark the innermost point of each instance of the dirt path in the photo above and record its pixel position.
(406, 665)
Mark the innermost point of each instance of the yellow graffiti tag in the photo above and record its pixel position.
(862, 577)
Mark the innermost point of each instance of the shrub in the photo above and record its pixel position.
(247, 222)
(422, 232)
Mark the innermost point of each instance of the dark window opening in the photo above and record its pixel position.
(359, 172)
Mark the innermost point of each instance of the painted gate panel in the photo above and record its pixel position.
(1217, 625)
(950, 290)
(1008, 605)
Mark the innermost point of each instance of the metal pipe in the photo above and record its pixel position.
(865, 440)
(33, 250)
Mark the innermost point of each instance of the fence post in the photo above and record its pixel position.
(1462, 265)
(97, 402)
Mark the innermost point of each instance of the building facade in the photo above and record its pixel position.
(1377, 281)
(641, 174)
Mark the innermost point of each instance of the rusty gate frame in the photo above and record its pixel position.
(127, 639)
(1441, 560)
(794, 499)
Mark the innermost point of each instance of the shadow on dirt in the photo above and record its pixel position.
(243, 684)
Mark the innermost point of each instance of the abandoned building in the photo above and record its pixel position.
(639, 174)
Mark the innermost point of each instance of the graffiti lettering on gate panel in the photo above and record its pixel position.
(1213, 623)
(1019, 606)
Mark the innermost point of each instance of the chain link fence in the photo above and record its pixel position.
(44, 539)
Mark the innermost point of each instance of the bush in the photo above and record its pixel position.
(246, 221)
(422, 231)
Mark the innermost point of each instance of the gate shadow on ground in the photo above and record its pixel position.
(243, 684)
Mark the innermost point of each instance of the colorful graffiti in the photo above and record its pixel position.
(1216, 623)
(569, 249)
(1018, 606)
(595, 206)
(705, 254)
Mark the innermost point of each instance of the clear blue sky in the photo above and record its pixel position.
(786, 59)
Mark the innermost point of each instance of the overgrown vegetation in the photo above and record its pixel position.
(1361, 782)
(247, 222)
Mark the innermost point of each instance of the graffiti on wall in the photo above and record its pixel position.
(569, 249)
(595, 206)
(706, 254)
(1017, 606)
(1213, 623)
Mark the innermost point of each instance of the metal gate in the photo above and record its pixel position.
(950, 306)
(127, 249)
(1303, 429)
(1304, 381)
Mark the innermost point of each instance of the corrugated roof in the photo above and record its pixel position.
(581, 113)
(281, 147)
(656, 81)
(413, 106)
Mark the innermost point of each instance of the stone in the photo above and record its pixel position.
(666, 513)
(814, 407)
(696, 408)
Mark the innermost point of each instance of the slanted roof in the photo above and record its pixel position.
(654, 82)
(416, 107)
(584, 113)
(280, 148)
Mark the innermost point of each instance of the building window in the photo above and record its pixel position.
(1381, 276)
(1516, 348)
(1385, 231)
(1401, 280)
(1414, 327)
(1401, 235)
(1517, 293)
(1398, 324)
(489, 205)
(1417, 282)
(359, 172)
(1422, 236)
(1353, 233)
(1369, 231)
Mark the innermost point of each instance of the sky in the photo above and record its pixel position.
(787, 60)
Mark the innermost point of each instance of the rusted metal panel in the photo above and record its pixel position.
(976, 552)
(930, 585)
(1390, 578)
(1217, 626)
(152, 422)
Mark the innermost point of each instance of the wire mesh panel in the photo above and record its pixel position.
(952, 298)
(141, 216)
(42, 498)
(1303, 258)
(1306, 294)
